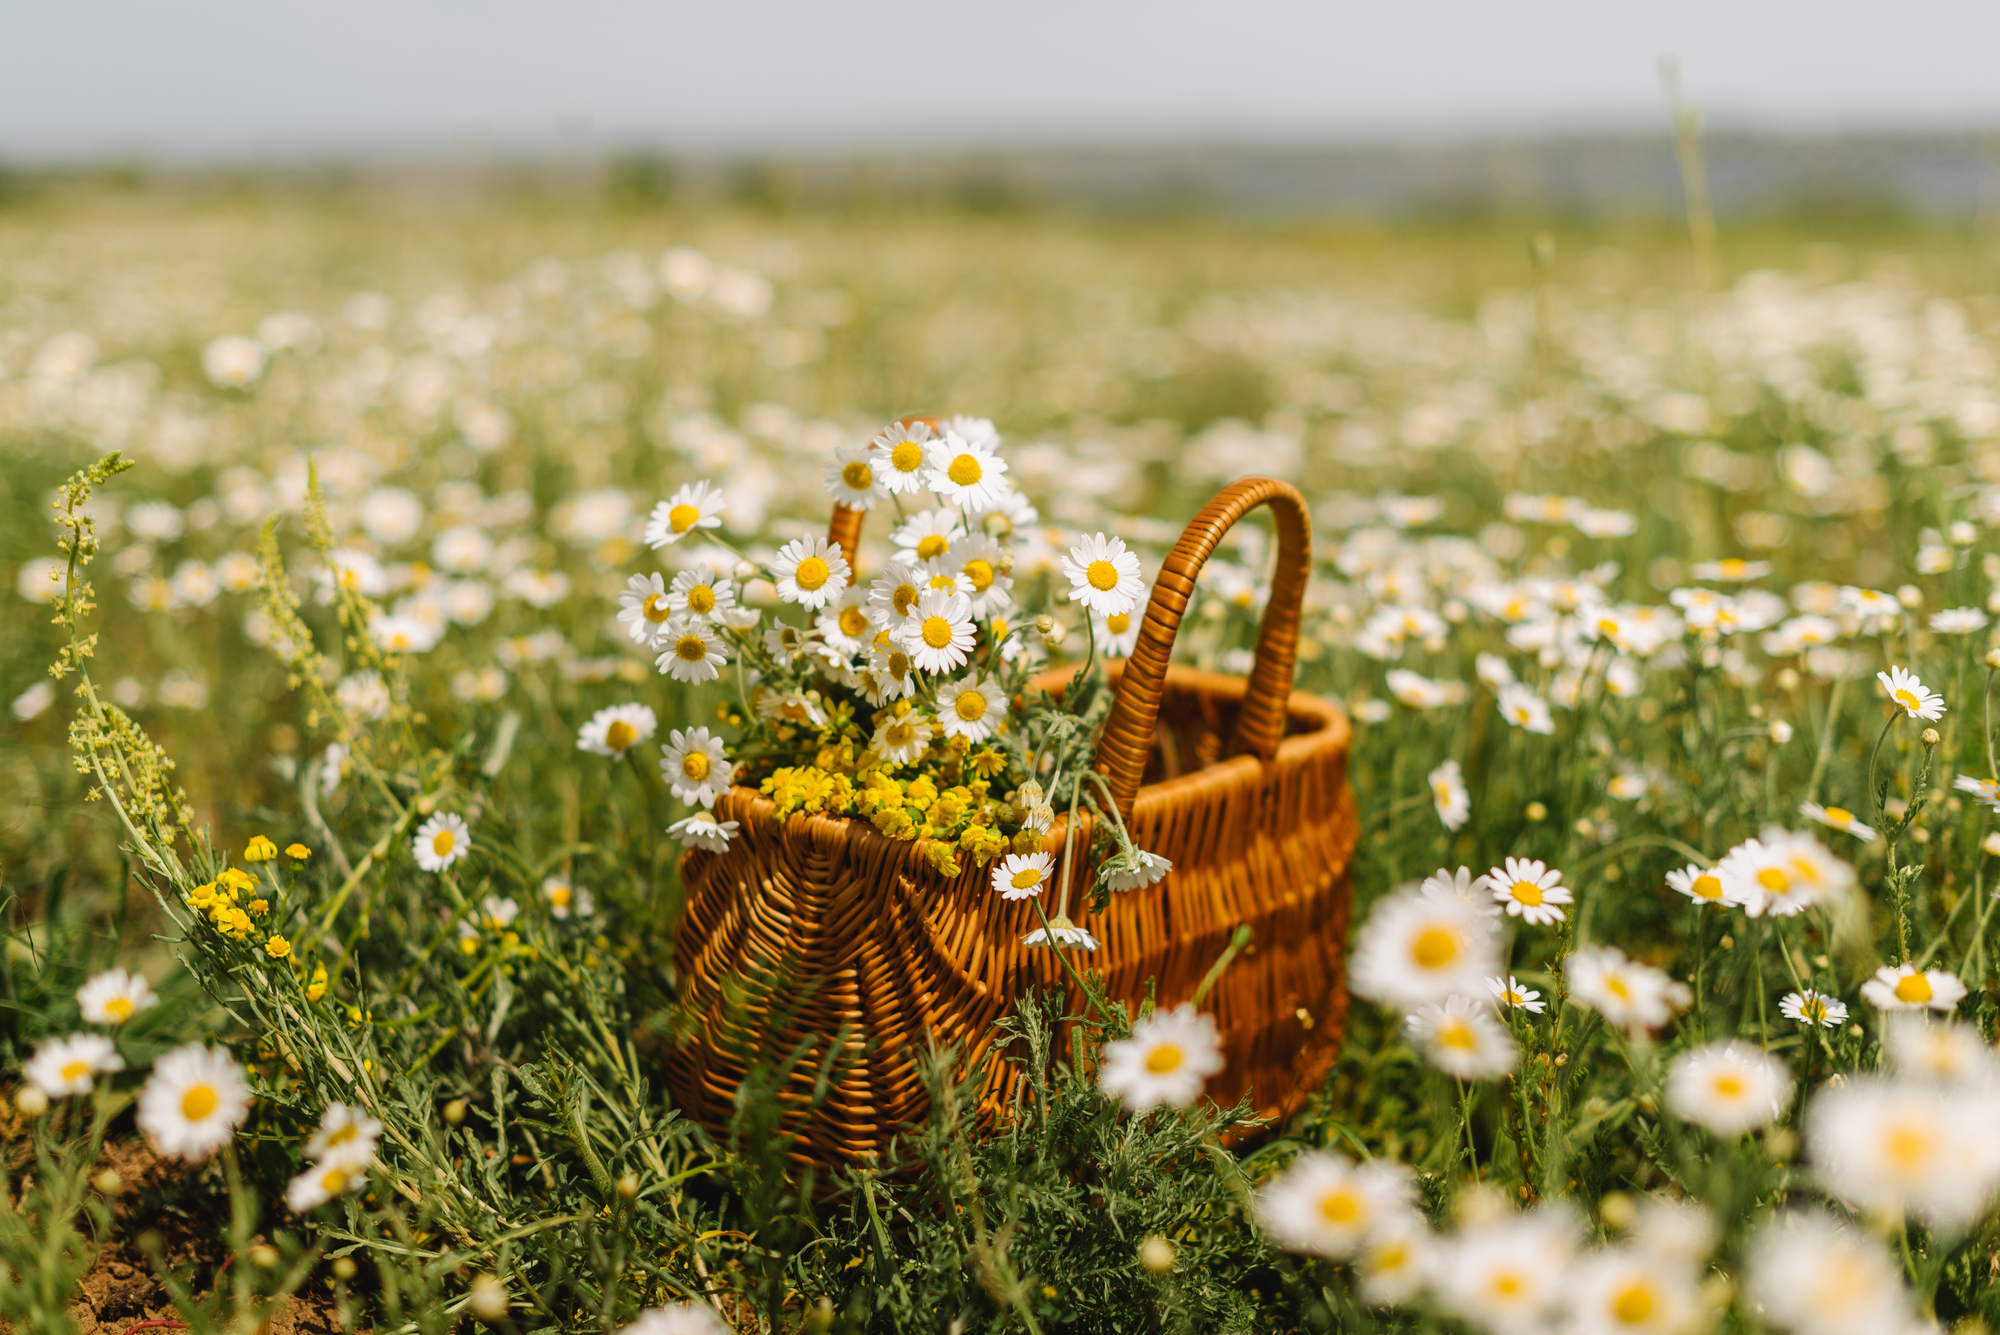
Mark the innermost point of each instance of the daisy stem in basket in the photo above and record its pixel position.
(1237, 942)
(1049, 935)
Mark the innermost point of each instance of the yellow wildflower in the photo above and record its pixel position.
(260, 906)
(277, 947)
(921, 793)
(317, 987)
(234, 923)
(987, 762)
(260, 850)
(236, 882)
(939, 855)
(298, 852)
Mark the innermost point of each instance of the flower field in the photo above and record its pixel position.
(401, 589)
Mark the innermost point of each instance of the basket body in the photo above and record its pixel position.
(818, 930)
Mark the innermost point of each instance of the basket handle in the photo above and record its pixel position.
(1260, 724)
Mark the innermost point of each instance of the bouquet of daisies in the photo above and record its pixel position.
(900, 696)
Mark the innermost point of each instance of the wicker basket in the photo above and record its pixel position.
(1242, 784)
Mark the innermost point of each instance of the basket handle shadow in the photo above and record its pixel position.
(1260, 724)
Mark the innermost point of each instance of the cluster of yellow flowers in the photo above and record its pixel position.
(960, 818)
(222, 901)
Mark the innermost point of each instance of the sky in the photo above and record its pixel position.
(231, 80)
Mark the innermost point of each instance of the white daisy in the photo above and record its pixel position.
(345, 1136)
(702, 830)
(323, 1182)
(1811, 1275)
(846, 626)
(442, 840)
(64, 1066)
(1508, 1275)
(938, 631)
(1948, 1055)
(1062, 934)
(677, 1319)
(1728, 1088)
(1982, 790)
(695, 766)
(1168, 1059)
(1810, 1007)
(1326, 1205)
(1837, 818)
(800, 709)
(1699, 884)
(811, 572)
(694, 506)
(892, 671)
(1510, 994)
(966, 473)
(1529, 890)
(971, 707)
(901, 459)
(114, 996)
(1122, 873)
(1462, 1039)
(893, 594)
(1909, 694)
(979, 562)
(691, 651)
(1898, 1147)
(1416, 949)
(1396, 1260)
(1022, 875)
(903, 738)
(927, 536)
(852, 479)
(614, 730)
(1906, 987)
(1520, 706)
(1629, 995)
(1103, 576)
(1117, 635)
(566, 899)
(1958, 621)
(1450, 796)
(194, 1098)
(1783, 873)
(1635, 1291)
(699, 592)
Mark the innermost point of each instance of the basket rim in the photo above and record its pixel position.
(1334, 732)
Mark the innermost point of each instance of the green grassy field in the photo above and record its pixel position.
(1526, 446)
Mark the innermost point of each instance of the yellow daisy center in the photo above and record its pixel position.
(904, 598)
(1913, 990)
(944, 581)
(1633, 1305)
(342, 1136)
(560, 895)
(682, 518)
(443, 842)
(899, 664)
(1027, 877)
(980, 573)
(858, 476)
(1909, 701)
(695, 766)
(1507, 1284)
(853, 621)
(1165, 1059)
(656, 608)
(937, 632)
(334, 1181)
(75, 1070)
(119, 1008)
(701, 598)
(1103, 576)
(931, 546)
(1434, 948)
(690, 648)
(964, 470)
(970, 705)
(900, 734)
(1707, 887)
(1117, 622)
(1339, 1206)
(1618, 987)
(1526, 892)
(1457, 1034)
(1907, 1147)
(1728, 1086)
(907, 457)
(1774, 880)
(199, 1102)
(1814, 1009)
(1839, 815)
(811, 573)
(620, 735)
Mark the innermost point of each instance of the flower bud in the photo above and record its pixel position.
(108, 1182)
(1931, 737)
(31, 1101)
(628, 1185)
(1993, 658)
(454, 1112)
(1617, 1209)
(1156, 1255)
(1045, 623)
(343, 1268)
(1536, 812)
(820, 1318)
(1781, 731)
(744, 572)
(1910, 596)
(263, 1256)
(487, 1298)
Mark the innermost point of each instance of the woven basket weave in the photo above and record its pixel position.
(1242, 784)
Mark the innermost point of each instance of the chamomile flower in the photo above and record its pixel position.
(811, 572)
(64, 1066)
(1813, 1276)
(1986, 791)
(852, 478)
(1395, 1260)
(1103, 575)
(1905, 1148)
(1324, 1204)
(1782, 874)
(979, 560)
(1416, 949)
(1117, 635)
(966, 473)
(1728, 1088)
(1510, 994)
(195, 1097)
(1022, 875)
(1521, 707)
(614, 730)
(971, 707)
(1809, 1007)
(1910, 695)
(1462, 1039)
(1699, 884)
(1167, 1060)
(1135, 872)
(1837, 818)
(696, 505)
(846, 626)
(1947, 1055)
(702, 830)
(1958, 621)
(115, 996)
(927, 536)
(676, 1319)
(938, 631)
(1635, 1291)
(442, 840)
(566, 900)
(1460, 889)
(1508, 1275)
(1529, 890)
(903, 738)
(1629, 995)
(695, 766)
(1450, 796)
(698, 592)
(893, 593)
(323, 1182)
(901, 459)
(891, 674)
(345, 1135)
(690, 651)
(1061, 934)
(1907, 987)
(1733, 570)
